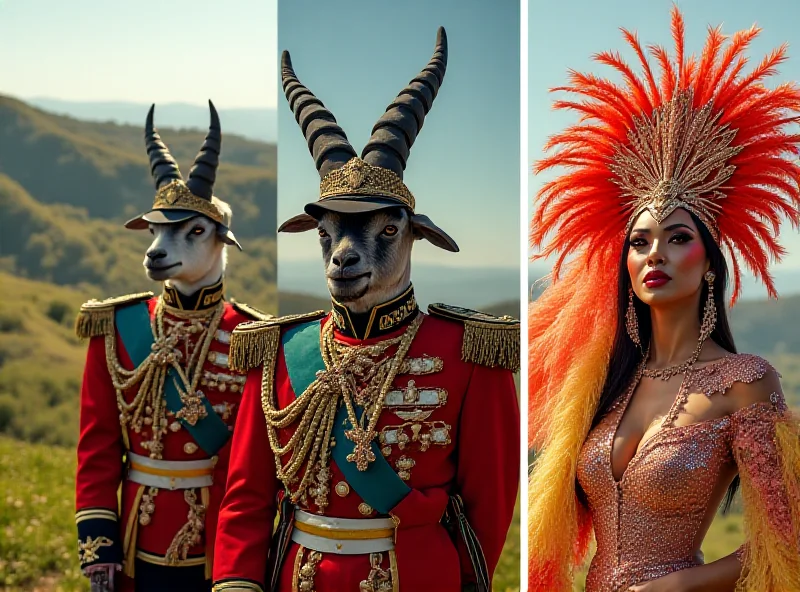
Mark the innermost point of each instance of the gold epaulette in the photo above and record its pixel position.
(488, 340)
(96, 317)
(256, 342)
(251, 311)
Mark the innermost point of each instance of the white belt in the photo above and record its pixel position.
(171, 474)
(343, 536)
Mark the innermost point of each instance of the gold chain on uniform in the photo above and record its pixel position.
(148, 407)
(346, 367)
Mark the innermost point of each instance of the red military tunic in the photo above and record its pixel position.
(474, 452)
(109, 521)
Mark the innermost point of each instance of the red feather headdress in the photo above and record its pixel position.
(704, 136)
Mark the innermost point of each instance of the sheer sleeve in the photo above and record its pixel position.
(766, 447)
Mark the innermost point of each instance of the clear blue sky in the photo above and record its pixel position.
(357, 55)
(564, 35)
(143, 51)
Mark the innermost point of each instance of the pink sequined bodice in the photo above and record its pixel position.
(652, 520)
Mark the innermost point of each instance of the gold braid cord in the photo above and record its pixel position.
(357, 375)
(190, 534)
(173, 347)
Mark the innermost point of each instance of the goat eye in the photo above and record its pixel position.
(151, 230)
(198, 230)
(322, 232)
(390, 230)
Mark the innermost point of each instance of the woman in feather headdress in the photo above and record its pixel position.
(644, 418)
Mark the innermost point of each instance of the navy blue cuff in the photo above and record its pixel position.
(98, 537)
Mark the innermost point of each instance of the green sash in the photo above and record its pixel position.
(133, 326)
(379, 485)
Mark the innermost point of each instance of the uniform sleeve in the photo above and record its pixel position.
(488, 460)
(248, 510)
(766, 447)
(100, 451)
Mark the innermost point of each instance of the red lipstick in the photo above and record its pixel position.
(656, 279)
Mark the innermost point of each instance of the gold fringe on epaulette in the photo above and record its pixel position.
(489, 344)
(92, 323)
(251, 347)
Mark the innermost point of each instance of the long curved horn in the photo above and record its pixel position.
(204, 170)
(396, 130)
(327, 141)
(162, 166)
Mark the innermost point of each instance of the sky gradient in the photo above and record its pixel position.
(559, 41)
(145, 51)
(464, 166)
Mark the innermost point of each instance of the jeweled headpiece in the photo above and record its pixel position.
(176, 200)
(706, 137)
(350, 184)
(677, 158)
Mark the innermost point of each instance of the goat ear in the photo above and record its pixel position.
(424, 228)
(226, 236)
(300, 223)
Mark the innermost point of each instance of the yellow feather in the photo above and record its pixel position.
(771, 563)
(552, 503)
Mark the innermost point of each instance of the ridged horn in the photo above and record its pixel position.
(396, 130)
(204, 170)
(327, 142)
(162, 166)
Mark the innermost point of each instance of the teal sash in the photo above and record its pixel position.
(133, 326)
(379, 486)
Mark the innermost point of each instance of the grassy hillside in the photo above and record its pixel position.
(62, 244)
(103, 167)
(762, 327)
(36, 331)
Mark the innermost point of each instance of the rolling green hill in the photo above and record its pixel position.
(103, 167)
(61, 244)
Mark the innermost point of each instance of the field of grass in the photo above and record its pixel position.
(37, 518)
(37, 529)
(506, 576)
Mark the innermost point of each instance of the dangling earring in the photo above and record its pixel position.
(631, 321)
(710, 309)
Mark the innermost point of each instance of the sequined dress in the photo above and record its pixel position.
(652, 521)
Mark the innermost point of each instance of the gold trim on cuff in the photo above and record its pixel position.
(159, 560)
(94, 513)
(236, 586)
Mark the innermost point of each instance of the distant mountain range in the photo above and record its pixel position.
(255, 124)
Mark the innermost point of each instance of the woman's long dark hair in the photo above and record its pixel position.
(626, 356)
